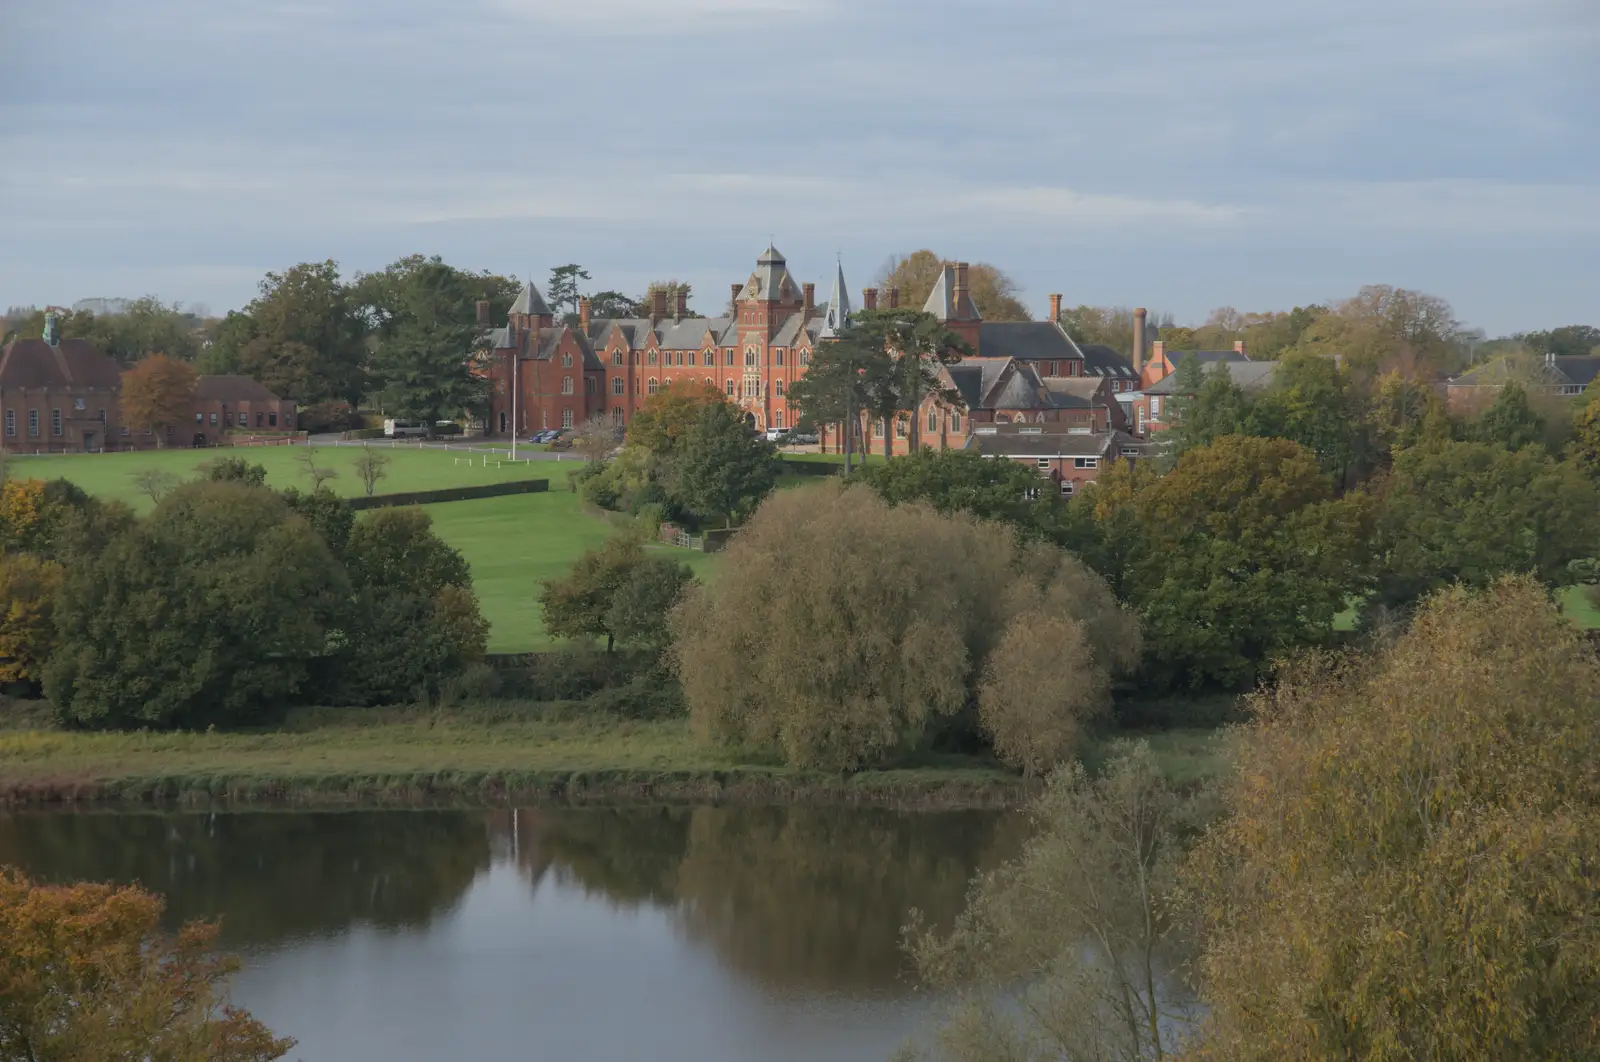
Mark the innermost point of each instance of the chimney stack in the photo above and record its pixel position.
(681, 309)
(584, 306)
(1139, 316)
(733, 299)
(811, 300)
(894, 298)
(961, 289)
(1158, 351)
(483, 313)
(869, 298)
(1055, 309)
(658, 304)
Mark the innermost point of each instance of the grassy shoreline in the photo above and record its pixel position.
(489, 757)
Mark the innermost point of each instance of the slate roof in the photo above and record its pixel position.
(1101, 360)
(1249, 375)
(1008, 441)
(70, 363)
(689, 333)
(1029, 340)
(530, 302)
(1581, 369)
(1562, 370)
(771, 281)
(1207, 357)
(232, 389)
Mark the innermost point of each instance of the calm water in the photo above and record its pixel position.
(701, 935)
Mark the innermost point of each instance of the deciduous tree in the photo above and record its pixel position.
(371, 468)
(87, 972)
(306, 338)
(1406, 869)
(616, 591)
(992, 291)
(158, 395)
(28, 587)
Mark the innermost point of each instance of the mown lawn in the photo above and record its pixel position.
(515, 543)
(410, 468)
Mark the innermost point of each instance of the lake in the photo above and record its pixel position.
(696, 934)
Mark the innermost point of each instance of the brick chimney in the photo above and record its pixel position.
(658, 305)
(1055, 309)
(1158, 350)
(811, 300)
(483, 313)
(894, 298)
(869, 298)
(961, 288)
(1139, 317)
(584, 306)
(1238, 346)
(733, 299)
(681, 309)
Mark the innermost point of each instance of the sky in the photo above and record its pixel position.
(1167, 153)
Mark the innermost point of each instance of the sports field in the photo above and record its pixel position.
(512, 543)
(410, 468)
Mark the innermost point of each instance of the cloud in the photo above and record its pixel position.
(634, 15)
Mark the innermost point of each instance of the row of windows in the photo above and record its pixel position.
(263, 420)
(57, 426)
(708, 358)
(1077, 462)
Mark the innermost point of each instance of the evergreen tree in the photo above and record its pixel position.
(721, 469)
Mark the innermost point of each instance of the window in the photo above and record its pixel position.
(544, 418)
(778, 354)
(1155, 407)
(779, 386)
(1085, 462)
(566, 359)
(777, 419)
(651, 357)
(213, 418)
(728, 386)
(259, 420)
(900, 427)
(728, 359)
(199, 418)
(566, 385)
(955, 422)
(1031, 494)
(588, 385)
(1066, 488)
(933, 420)
(244, 420)
(503, 422)
(55, 422)
(272, 420)
(710, 382)
(616, 385)
(1052, 369)
(616, 357)
(877, 429)
(566, 418)
(11, 422)
(750, 356)
(1130, 451)
(1044, 462)
(805, 357)
(616, 416)
(653, 386)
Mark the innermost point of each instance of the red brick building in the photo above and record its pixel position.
(237, 403)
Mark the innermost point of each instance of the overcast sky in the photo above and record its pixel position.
(1171, 153)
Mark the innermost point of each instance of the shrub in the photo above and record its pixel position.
(844, 631)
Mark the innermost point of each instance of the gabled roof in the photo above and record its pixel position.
(70, 363)
(1207, 357)
(1249, 375)
(1029, 340)
(530, 302)
(1581, 369)
(942, 299)
(1562, 370)
(789, 334)
(232, 389)
(690, 333)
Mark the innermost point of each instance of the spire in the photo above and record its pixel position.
(838, 306)
(530, 302)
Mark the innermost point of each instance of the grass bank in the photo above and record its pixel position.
(489, 756)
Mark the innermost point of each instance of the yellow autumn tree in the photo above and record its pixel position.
(28, 588)
(22, 512)
(1410, 863)
(158, 394)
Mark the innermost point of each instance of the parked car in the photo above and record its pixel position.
(802, 438)
(775, 434)
(400, 429)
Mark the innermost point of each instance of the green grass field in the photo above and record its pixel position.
(515, 543)
(112, 475)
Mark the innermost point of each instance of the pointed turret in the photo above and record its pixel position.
(771, 281)
(838, 317)
(530, 303)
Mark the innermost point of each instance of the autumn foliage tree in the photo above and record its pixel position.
(28, 587)
(1407, 869)
(844, 631)
(158, 395)
(86, 973)
(993, 292)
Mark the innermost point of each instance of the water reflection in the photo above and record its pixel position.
(807, 897)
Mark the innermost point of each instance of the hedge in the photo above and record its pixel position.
(450, 494)
(811, 468)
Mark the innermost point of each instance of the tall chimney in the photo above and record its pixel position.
(894, 298)
(1139, 316)
(1055, 309)
(658, 304)
(961, 288)
(681, 308)
(811, 300)
(584, 305)
(483, 313)
(869, 298)
(733, 299)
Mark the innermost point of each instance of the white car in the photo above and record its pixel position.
(775, 434)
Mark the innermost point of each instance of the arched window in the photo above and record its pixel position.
(750, 356)
(779, 386)
(616, 357)
(566, 359)
(566, 385)
(805, 357)
(728, 386)
(955, 422)
(652, 357)
(777, 419)
(653, 386)
(710, 382)
(616, 385)
(566, 418)
(933, 420)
